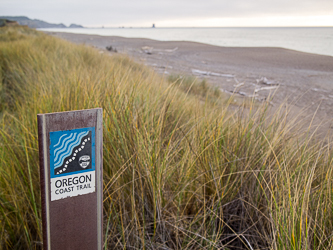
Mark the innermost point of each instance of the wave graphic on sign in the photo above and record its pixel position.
(58, 151)
(67, 145)
(63, 142)
(59, 140)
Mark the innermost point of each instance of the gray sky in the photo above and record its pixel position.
(181, 13)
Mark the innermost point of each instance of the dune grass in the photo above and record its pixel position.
(180, 171)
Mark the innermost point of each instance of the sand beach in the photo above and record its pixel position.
(304, 80)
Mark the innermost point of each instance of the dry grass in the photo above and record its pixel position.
(179, 172)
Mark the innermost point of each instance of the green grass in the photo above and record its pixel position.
(180, 171)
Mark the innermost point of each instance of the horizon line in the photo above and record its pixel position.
(194, 27)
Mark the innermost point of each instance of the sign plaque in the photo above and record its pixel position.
(71, 175)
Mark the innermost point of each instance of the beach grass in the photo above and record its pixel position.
(180, 171)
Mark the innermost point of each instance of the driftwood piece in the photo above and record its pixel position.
(208, 73)
(148, 50)
(166, 50)
(263, 80)
(238, 93)
(111, 49)
(265, 88)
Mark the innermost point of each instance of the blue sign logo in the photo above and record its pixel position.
(72, 151)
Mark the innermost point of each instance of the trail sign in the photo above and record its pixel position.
(72, 162)
(70, 148)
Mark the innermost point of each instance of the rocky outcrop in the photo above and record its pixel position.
(35, 23)
(73, 25)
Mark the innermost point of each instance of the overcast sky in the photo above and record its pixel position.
(179, 13)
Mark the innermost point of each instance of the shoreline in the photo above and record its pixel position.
(302, 79)
(315, 40)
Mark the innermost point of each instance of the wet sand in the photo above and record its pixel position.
(305, 80)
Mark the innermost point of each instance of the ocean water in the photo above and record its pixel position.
(311, 40)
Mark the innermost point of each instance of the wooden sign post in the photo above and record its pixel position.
(71, 176)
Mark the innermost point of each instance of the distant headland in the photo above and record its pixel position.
(35, 23)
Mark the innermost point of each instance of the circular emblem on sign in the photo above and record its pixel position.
(84, 161)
